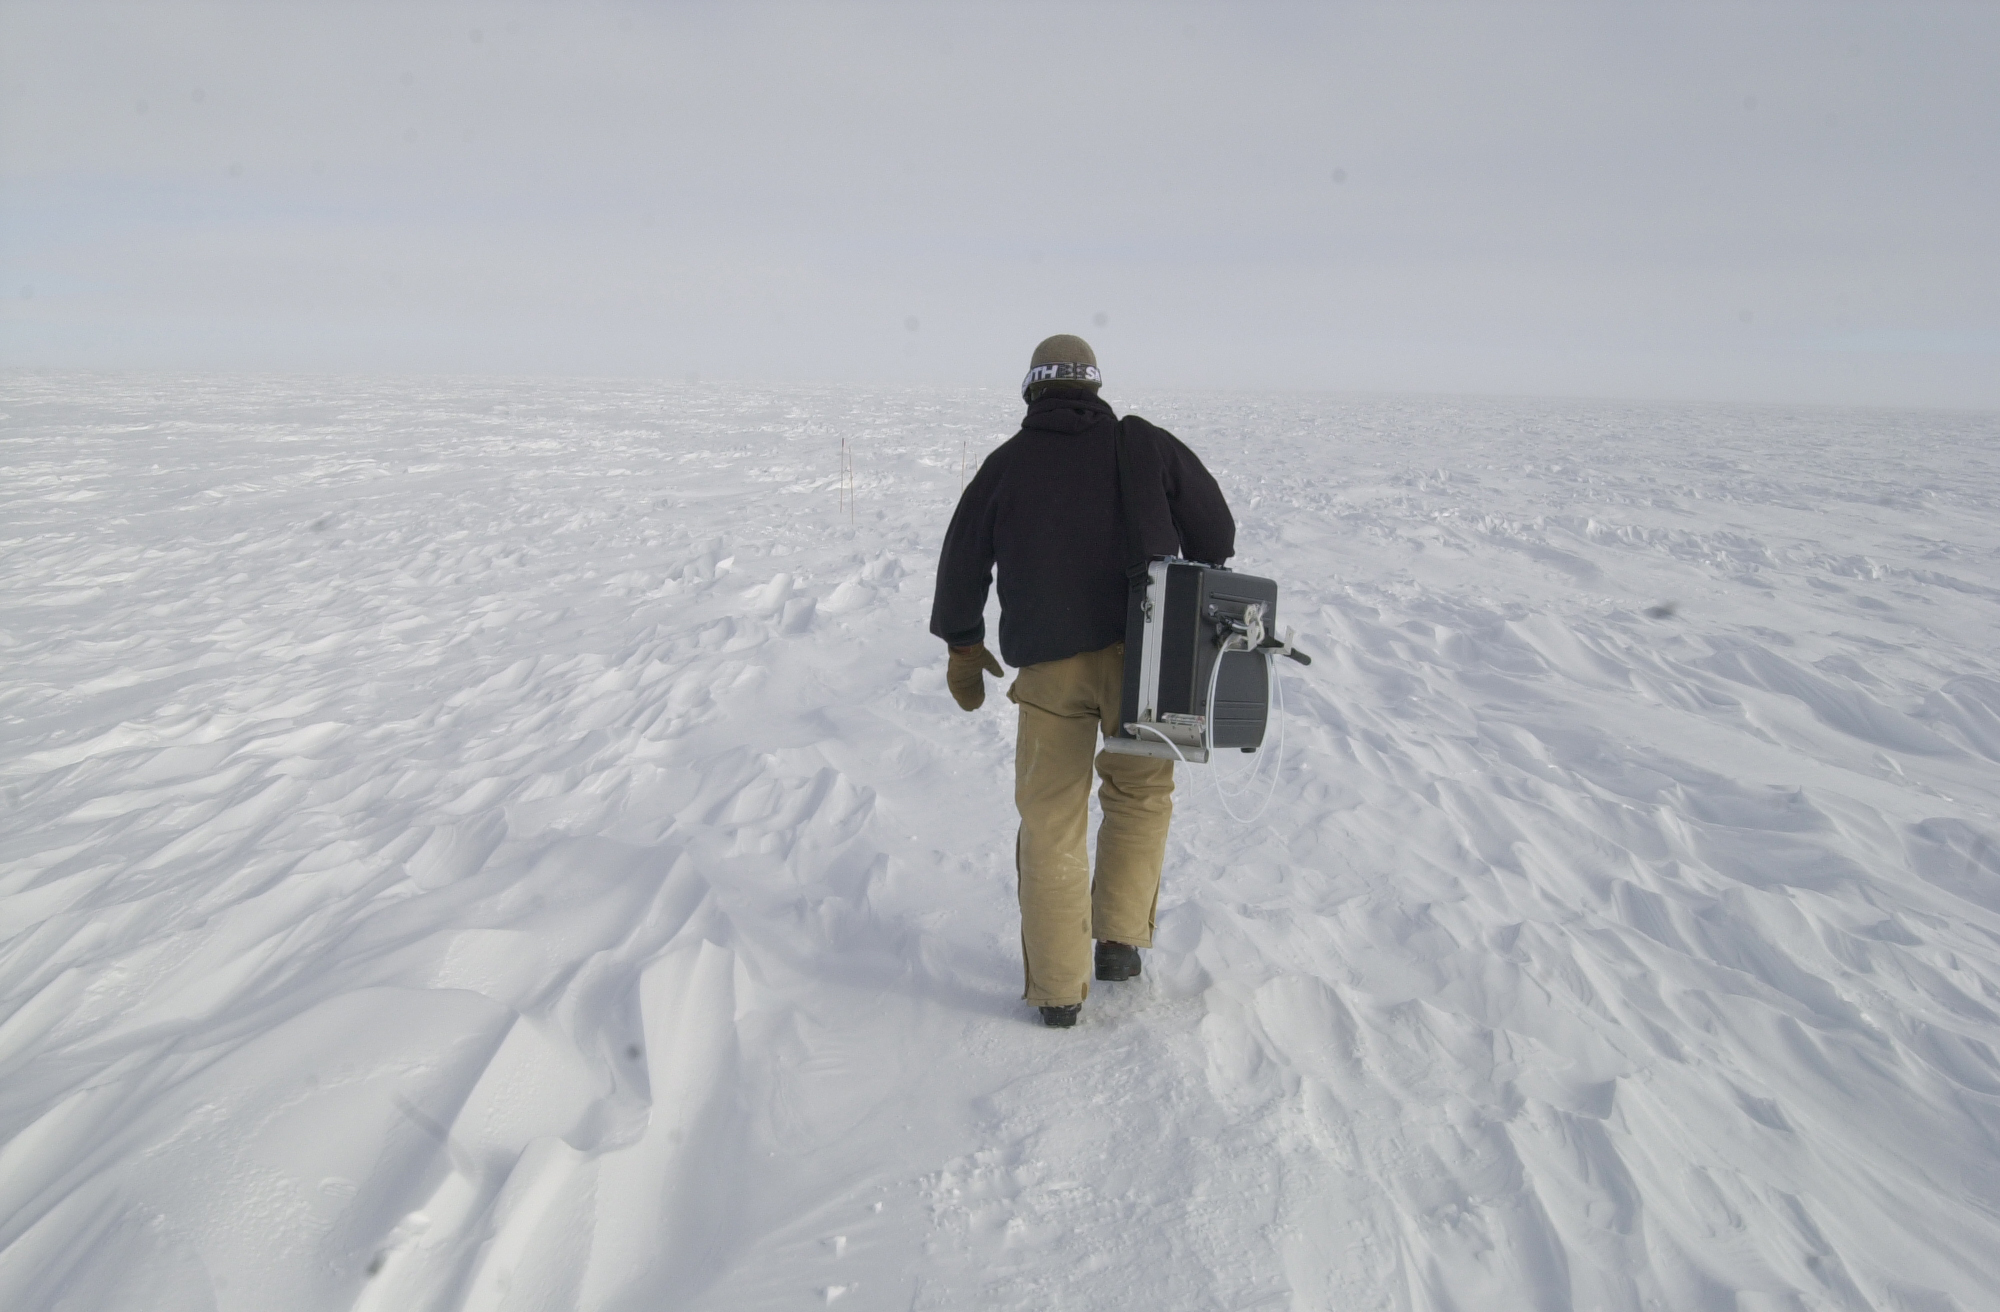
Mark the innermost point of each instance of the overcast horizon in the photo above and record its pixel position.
(1790, 203)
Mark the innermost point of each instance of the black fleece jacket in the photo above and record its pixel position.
(1045, 507)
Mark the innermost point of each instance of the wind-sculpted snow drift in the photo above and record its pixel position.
(509, 847)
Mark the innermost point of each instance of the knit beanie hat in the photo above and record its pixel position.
(1062, 361)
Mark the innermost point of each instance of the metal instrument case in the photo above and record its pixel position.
(1172, 641)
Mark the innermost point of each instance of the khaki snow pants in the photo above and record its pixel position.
(1063, 705)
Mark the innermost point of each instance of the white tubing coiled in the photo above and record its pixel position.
(1276, 694)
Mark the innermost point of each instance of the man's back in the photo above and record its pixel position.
(1046, 508)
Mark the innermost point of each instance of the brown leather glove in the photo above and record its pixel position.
(963, 676)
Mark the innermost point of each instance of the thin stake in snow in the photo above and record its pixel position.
(964, 451)
(846, 481)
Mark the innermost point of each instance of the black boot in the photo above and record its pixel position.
(1061, 1018)
(1117, 961)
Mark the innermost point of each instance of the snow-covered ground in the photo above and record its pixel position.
(471, 845)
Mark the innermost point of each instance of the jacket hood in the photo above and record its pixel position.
(1067, 410)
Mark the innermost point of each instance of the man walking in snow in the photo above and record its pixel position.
(1045, 509)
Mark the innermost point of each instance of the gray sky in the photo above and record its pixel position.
(1763, 201)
